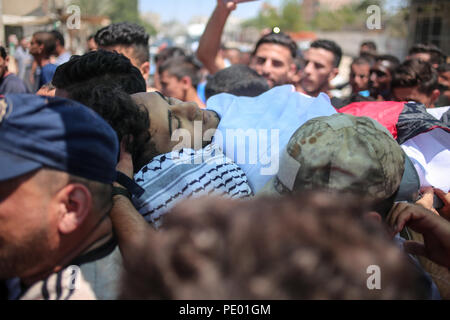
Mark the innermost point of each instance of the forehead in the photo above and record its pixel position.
(361, 67)
(382, 65)
(319, 55)
(166, 76)
(152, 101)
(274, 51)
(422, 56)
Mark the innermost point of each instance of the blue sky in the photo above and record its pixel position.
(183, 10)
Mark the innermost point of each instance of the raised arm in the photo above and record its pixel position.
(208, 48)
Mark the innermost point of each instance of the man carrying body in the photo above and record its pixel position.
(321, 66)
(129, 39)
(381, 77)
(359, 76)
(427, 52)
(272, 58)
(56, 190)
(179, 78)
(416, 80)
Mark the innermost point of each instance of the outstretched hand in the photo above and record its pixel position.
(228, 5)
(435, 231)
(427, 201)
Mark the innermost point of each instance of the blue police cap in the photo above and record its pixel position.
(58, 133)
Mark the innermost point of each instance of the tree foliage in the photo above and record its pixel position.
(116, 10)
(289, 17)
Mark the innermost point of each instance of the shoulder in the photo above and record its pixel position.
(338, 103)
(49, 67)
(67, 284)
(12, 84)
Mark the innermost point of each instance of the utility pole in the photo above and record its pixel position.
(2, 27)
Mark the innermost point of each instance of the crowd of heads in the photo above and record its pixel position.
(312, 233)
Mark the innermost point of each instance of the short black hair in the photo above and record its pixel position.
(3, 53)
(365, 59)
(278, 38)
(128, 35)
(99, 67)
(238, 80)
(170, 52)
(414, 72)
(436, 54)
(372, 46)
(59, 37)
(48, 40)
(331, 46)
(182, 66)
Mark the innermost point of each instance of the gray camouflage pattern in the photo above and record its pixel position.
(346, 153)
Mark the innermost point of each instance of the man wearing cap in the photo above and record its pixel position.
(57, 166)
(350, 154)
(343, 153)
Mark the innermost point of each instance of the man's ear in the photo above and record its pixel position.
(292, 73)
(435, 95)
(333, 74)
(145, 69)
(373, 216)
(74, 204)
(186, 82)
(41, 48)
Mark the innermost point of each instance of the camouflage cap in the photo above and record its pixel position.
(340, 152)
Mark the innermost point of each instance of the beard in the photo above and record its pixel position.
(20, 259)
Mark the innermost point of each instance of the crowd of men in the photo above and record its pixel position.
(222, 175)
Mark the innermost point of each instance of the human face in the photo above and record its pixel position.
(171, 86)
(412, 94)
(359, 77)
(318, 72)
(273, 62)
(28, 226)
(380, 78)
(172, 120)
(35, 48)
